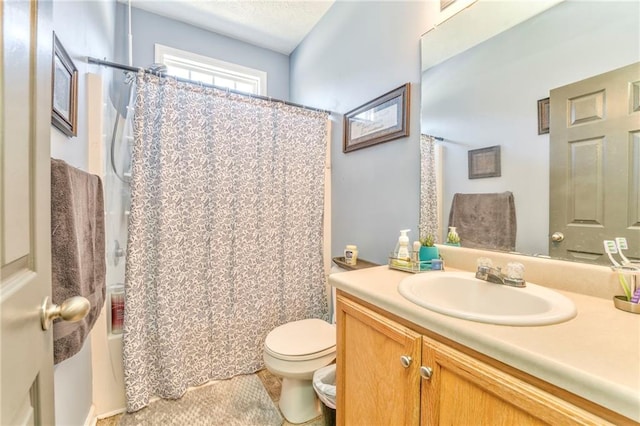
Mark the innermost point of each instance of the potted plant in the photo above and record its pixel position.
(453, 239)
(427, 250)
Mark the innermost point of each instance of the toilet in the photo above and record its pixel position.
(294, 351)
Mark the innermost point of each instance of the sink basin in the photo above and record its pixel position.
(461, 295)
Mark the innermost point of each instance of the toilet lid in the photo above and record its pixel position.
(302, 337)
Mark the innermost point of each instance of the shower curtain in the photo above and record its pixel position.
(225, 233)
(428, 188)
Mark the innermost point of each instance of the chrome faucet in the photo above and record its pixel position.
(512, 278)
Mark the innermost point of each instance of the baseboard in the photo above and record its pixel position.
(111, 413)
(91, 419)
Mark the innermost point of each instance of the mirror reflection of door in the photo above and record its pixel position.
(595, 165)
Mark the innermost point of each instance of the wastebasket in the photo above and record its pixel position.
(324, 383)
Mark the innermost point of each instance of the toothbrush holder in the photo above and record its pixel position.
(621, 303)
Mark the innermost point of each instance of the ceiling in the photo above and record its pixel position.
(278, 25)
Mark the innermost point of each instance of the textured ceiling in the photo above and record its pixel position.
(276, 25)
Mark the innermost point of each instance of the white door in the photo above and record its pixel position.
(595, 165)
(26, 351)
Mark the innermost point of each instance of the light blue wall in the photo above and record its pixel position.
(149, 28)
(85, 29)
(357, 52)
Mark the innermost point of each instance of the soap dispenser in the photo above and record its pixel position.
(402, 248)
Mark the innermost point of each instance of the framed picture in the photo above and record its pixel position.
(381, 120)
(484, 162)
(64, 91)
(543, 116)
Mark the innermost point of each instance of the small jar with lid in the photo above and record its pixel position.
(351, 255)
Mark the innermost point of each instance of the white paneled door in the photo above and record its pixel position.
(26, 350)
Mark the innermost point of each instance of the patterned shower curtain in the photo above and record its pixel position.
(225, 233)
(428, 188)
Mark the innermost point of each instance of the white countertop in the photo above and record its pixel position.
(595, 355)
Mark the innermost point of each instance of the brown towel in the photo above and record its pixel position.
(77, 251)
(485, 220)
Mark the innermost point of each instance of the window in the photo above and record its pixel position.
(192, 66)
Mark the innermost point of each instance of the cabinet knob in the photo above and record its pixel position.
(405, 361)
(426, 372)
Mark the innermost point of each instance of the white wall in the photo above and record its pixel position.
(488, 96)
(357, 52)
(85, 29)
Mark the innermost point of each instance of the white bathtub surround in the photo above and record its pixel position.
(225, 233)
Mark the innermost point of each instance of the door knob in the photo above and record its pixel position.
(405, 361)
(73, 309)
(426, 372)
(557, 237)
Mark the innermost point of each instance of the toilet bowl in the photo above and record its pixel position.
(294, 351)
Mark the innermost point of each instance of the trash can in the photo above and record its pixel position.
(324, 383)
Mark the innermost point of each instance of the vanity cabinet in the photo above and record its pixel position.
(390, 374)
(377, 373)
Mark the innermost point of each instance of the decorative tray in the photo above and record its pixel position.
(360, 264)
(414, 267)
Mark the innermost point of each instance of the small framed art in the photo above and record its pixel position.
(64, 91)
(381, 120)
(484, 162)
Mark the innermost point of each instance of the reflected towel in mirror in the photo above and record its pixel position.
(485, 220)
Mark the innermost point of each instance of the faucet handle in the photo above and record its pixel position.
(484, 262)
(514, 270)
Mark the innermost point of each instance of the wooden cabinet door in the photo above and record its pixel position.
(465, 391)
(373, 385)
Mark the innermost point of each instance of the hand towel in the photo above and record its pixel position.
(77, 251)
(485, 220)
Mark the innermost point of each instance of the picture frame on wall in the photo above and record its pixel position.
(381, 120)
(64, 91)
(484, 162)
(543, 116)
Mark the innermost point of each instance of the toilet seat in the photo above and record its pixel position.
(301, 340)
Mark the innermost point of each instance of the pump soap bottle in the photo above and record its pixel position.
(402, 248)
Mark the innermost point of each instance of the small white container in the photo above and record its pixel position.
(351, 254)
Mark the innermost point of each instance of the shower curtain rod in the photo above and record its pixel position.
(184, 80)
(438, 138)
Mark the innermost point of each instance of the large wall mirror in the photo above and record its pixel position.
(488, 95)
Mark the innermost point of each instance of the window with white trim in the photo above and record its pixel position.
(192, 66)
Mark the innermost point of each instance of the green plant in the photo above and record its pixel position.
(453, 238)
(427, 241)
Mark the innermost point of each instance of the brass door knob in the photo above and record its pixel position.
(73, 309)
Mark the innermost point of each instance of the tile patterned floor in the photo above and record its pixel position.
(271, 383)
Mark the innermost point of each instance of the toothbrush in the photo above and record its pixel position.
(610, 247)
(621, 244)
